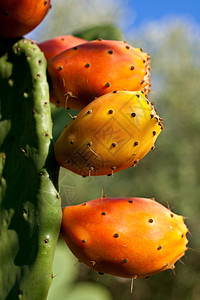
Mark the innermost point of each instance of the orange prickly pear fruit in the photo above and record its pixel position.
(81, 74)
(19, 17)
(110, 134)
(59, 44)
(125, 237)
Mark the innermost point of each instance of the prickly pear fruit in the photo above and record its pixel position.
(110, 134)
(59, 44)
(125, 237)
(95, 68)
(20, 17)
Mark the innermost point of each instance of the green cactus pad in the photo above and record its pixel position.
(104, 31)
(30, 210)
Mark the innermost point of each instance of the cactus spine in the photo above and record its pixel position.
(30, 211)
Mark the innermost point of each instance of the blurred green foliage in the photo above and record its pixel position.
(65, 272)
(70, 16)
(170, 173)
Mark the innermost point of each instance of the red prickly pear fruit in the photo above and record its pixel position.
(19, 17)
(110, 134)
(95, 68)
(59, 44)
(125, 237)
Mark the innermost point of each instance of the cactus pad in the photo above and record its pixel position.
(30, 211)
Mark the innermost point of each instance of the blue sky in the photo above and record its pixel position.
(155, 10)
(139, 13)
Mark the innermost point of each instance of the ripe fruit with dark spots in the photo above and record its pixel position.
(19, 17)
(125, 242)
(59, 44)
(112, 67)
(118, 138)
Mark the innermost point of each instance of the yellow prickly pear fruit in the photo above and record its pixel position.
(110, 134)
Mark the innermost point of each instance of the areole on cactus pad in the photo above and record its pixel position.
(125, 237)
(95, 68)
(110, 134)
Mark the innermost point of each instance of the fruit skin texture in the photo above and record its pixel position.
(110, 134)
(19, 17)
(125, 237)
(95, 68)
(59, 44)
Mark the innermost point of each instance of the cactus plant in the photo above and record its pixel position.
(126, 237)
(110, 134)
(30, 212)
(105, 31)
(95, 68)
